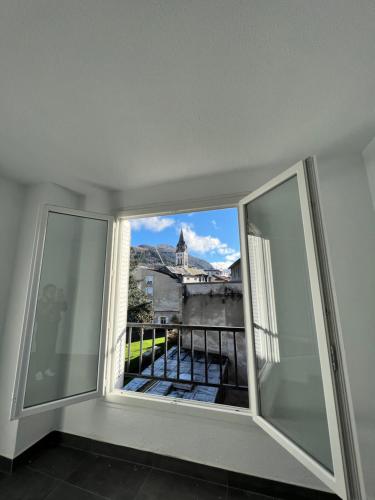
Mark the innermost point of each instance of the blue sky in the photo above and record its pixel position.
(211, 235)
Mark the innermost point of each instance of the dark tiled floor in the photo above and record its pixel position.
(60, 473)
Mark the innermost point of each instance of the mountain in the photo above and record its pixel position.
(163, 254)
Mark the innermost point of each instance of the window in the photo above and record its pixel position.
(64, 332)
(189, 316)
(64, 338)
(149, 280)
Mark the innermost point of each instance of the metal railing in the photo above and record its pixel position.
(184, 349)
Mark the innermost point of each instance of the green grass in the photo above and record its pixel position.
(135, 349)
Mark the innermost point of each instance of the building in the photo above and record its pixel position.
(181, 252)
(217, 275)
(165, 292)
(163, 285)
(235, 271)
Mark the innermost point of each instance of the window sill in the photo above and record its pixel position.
(198, 409)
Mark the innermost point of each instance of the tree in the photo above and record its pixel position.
(139, 305)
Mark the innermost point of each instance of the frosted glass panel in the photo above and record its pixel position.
(67, 324)
(289, 373)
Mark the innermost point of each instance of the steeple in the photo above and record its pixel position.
(181, 245)
(181, 251)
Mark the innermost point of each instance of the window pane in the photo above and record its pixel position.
(66, 332)
(289, 373)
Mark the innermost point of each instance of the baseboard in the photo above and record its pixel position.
(208, 473)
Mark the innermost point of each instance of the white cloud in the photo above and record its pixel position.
(225, 250)
(203, 244)
(209, 244)
(214, 223)
(155, 224)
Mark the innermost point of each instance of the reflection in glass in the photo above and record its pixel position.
(289, 373)
(67, 324)
(262, 292)
(49, 313)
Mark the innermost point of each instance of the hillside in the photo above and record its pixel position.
(163, 254)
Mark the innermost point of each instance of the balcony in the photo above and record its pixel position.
(192, 362)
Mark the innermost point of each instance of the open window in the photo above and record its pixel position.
(290, 375)
(63, 343)
(178, 312)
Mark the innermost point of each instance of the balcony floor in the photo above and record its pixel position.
(188, 390)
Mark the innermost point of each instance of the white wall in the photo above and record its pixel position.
(202, 188)
(11, 208)
(175, 431)
(11, 204)
(349, 220)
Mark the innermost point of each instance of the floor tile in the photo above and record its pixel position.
(110, 478)
(57, 461)
(26, 484)
(235, 494)
(122, 453)
(162, 485)
(66, 491)
(198, 471)
(5, 464)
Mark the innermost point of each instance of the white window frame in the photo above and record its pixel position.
(119, 396)
(17, 407)
(336, 481)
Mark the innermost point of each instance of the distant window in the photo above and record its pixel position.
(163, 320)
(149, 280)
(149, 290)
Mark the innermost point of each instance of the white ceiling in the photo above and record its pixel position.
(129, 93)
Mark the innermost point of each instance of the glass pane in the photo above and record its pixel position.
(288, 367)
(67, 324)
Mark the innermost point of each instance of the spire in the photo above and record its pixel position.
(181, 245)
(181, 251)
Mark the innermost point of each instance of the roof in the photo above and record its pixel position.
(235, 263)
(186, 270)
(176, 271)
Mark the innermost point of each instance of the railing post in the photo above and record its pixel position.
(129, 339)
(165, 352)
(220, 359)
(235, 358)
(141, 351)
(153, 352)
(192, 354)
(205, 356)
(178, 352)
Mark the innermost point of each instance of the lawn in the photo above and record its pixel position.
(135, 349)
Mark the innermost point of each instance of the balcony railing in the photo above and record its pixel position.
(212, 356)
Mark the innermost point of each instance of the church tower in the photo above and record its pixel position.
(181, 251)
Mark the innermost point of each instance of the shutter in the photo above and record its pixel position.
(121, 306)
